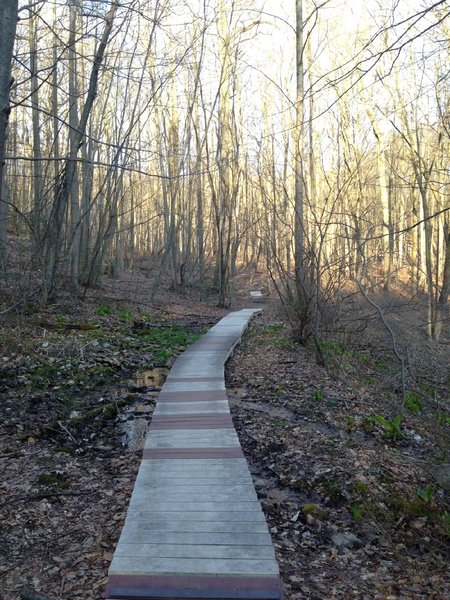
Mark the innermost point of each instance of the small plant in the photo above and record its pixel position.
(43, 376)
(274, 327)
(279, 422)
(279, 389)
(125, 315)
(333, 348)
(274, 336)
(350, 423)
(445, 520)
(62, 320)
(412, 402)
(392, 427)
(443, 418)
(318, 394)
(357, 512)
(426, 494)
(163, 355)
(103, 311)
(361, 488)
(360, 357)
(382, 364)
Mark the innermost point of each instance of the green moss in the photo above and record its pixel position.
(410, 507)
(43, 376)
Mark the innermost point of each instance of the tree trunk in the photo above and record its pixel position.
(64, 186)
(37, 170)
(74, 234)
(8, 24)
(442, 308)
(299, 188)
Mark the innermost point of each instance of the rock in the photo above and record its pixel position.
(345, 539)
(314, 510)
(442, 476)
(29, 594)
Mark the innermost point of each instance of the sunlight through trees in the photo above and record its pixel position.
(192, 138)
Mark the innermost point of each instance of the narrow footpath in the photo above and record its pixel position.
(194, 526)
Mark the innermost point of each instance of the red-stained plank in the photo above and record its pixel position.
(169, 453)
(127, 587)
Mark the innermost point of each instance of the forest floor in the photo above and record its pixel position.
(356, 497)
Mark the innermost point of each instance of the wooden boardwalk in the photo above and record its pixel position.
(194, 527)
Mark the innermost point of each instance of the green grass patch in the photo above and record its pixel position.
(273, 336)
(103, 311)
(166, 341)
(412, 402)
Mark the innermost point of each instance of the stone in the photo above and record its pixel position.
(345, 540)
(442, 476)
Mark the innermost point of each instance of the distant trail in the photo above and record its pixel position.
(194, 527)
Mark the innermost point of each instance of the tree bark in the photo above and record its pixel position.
(8, 24)
(299, 188)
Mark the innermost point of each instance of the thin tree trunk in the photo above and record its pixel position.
(442, 305)
(37, 170)
(57, 216)
(74, 234)
(8, 24)
(299, 188)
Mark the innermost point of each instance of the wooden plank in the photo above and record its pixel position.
(211, 566)
(192, 494)
(186, 408)
(137, 531)
(149, 550)
(198, 438)
(203, 587)
(230, 516)
(212, 453)
(189, 505)
(207, 539)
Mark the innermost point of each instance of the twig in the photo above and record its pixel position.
(68, 432)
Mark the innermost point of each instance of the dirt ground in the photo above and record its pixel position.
(356, 498)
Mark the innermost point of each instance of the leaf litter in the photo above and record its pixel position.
(352, 513)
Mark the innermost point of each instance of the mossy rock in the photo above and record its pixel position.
(315, 511)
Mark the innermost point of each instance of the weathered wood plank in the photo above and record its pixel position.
(197, 438)
(231, 516)
(136, 531)
(207, 539)
(199, 551)
(211, 566)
